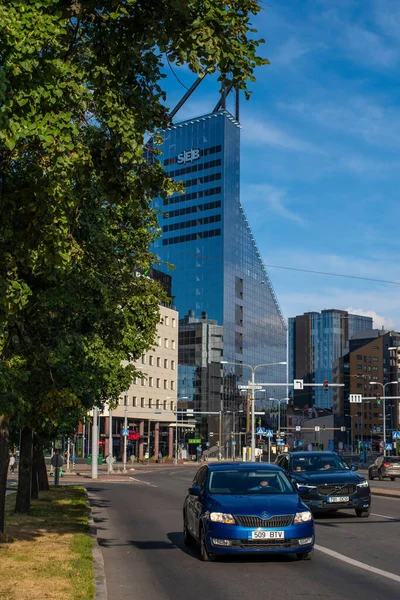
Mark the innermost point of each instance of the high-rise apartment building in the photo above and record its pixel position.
(218, 267)
(316, 341)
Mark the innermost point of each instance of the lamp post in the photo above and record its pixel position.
(383, 409)
(253, 372)
(285, 400)
(234, 413)
(176, 427)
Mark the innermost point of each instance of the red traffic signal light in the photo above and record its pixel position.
(326, 385)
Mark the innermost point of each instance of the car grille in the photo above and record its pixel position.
(265, 543)
(277, 521)
(336, 489)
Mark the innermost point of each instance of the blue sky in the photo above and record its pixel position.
(320, 159)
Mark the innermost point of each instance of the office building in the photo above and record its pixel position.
(218, 267)
(316, 341)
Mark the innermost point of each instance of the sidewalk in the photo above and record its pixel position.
(85, 471)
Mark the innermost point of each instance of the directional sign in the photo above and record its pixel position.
(389, 446)
(298, 384)
(194, 441)
(260, 430)
(208, 444)
(355, 397)
(125, 432)
(298, 428)
(233, 442)
(210, 434)
(343, 428)
(396, 435)
(250, 387)
(269, 433)
(317, 428)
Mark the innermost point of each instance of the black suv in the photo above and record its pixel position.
(326, 482)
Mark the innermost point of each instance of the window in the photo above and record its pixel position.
(151, 360)
(142, 404)
(165, 363)
(159, 340)
(150, 402)
(166, 343)
(143, 380)
(157, 403)
(150, 382)
(158, 361)
(172, 365)
(359, 386)
(359, 367)
(359, 356)
(125, 400)
(166, 320)
(165, 404)
(165, 384)
(173, 344)
(143, 359)
(134, 401)
(172, 385)
(374, 359)
(158, 382)
(374, 368)
(173, 322)
(172, 405)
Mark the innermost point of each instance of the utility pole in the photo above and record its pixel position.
(125, 438)
(95, 443)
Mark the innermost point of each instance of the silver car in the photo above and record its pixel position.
(385, 466)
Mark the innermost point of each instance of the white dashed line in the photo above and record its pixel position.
(144, 482)
(357, 563)
(385, 517)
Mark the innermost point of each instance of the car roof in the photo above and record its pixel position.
(316, 453)
(243, 466)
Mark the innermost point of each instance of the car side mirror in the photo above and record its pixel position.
(354, 467)
(194, 490)
(302, 489)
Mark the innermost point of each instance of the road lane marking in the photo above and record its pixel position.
(357, 563)
(385, 517)
(144, 482)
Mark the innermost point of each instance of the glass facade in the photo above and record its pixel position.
(328, 333)
(219, 274)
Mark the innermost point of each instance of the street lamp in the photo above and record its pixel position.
(253, 371)
(384, 410)
(285, 400)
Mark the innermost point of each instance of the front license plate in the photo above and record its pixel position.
(338, 499)
(267, 535)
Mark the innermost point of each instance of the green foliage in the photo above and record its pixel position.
(80, 87)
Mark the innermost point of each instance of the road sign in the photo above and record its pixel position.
(233, 442)
(317, 428)
(208, 444)
(250, 387)
(396, 435)
(298, 384)
(260, 430)
(280, 442)
(298, 428)
(355, 397)
(269, 433)
(194, 441)
(343, 428)
(125, 432)
(210, 434)
(389, 446)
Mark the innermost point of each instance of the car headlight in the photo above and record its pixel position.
(363, 483)
(309, 487)
(222, 518)
(302, 517)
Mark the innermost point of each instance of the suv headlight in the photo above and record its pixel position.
(222, 518)
(309, 487)
(302, 517)
(363, 484)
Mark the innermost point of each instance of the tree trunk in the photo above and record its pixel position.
(42, 473)
(23, 500)
(4, 459)
(35, 474)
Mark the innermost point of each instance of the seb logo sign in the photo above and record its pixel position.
(188, 156)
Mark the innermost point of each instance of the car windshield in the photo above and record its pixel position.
(321, 462)
(249, 481)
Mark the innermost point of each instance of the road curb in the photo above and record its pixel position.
(387, 493)
(98, 560)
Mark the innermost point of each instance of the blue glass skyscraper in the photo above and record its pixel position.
(219, 274)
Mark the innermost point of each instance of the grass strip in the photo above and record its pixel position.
(48, 553)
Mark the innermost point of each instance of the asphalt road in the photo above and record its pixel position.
(140, 533)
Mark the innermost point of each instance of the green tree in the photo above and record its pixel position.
(80, 86)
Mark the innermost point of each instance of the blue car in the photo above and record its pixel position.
(238, 508)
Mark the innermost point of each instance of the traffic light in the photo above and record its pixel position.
(248, 438)
(326, 385)
(324, 427)
(378, 398)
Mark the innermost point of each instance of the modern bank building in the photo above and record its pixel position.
(227, 307)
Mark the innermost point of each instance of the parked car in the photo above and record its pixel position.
(385, 466)
(326, 482)
(234, 508)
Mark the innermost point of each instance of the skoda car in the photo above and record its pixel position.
(246, 508)
(326, 482)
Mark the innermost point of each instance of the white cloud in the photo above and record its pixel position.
(256, 132)
(289, 53)
(272, 198)
(379, 320)
(368, 47)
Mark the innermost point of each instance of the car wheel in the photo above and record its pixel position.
(370, 476)
(393, 479)
(206, 556)
(380, 476)
(188, 539)
(361, 512)
(305, 555)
